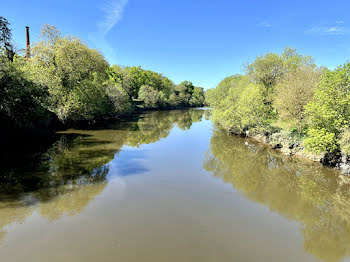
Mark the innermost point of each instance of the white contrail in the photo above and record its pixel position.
(113, 13)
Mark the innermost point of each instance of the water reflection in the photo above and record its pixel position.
(62, 175)
(316, 197)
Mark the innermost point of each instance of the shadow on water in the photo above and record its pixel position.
(316, 197)
(60, 175)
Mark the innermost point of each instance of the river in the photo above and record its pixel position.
(167, 186)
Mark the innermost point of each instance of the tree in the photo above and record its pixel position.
(183, 95)
(20, 98)
(120, 75)
(6, 38)
(189, 86)
(329, 110)
(215, 96)
(241, 106)
(138, 78)
(266, 70)
(149, 96)
(293, 93)
(269, 69)
(251, 109)
(73, 74)
(197, 98)
(293, 61)
(344, 141)
(50, 34)
(118, 97)
(163, 101)
(174, 100)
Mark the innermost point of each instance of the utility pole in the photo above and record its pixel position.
(28, 42)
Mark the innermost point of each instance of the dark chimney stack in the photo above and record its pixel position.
(28, 42)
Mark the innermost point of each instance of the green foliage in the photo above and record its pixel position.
(174, 100)
(165, 92)
(132, 78)
(345, 141)
(163, 101)
(6, 38)
(120, 76)
(118, 97)
(329, 110)
(242, 107)
(73, 82)
(189, 86)
(266, 70)
(215, 96)
(20, 99)
(320, 140)
(149, 96)
(287, 92)
(293, 61)
(292, 94)
(73, 74)
(197, 98)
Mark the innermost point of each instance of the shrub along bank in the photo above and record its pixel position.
(289, 102)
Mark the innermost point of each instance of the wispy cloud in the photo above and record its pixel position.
(112, 13)
(329, 30)
(264, 24)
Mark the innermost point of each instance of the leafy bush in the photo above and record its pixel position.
(329, 110)
(149, 96)
(21, 100)
(242, 107)
(293, 93)
(345, 141)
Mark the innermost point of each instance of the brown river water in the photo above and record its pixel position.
(167, 186)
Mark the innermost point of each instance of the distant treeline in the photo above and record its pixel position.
(65, 81)
(288, 99)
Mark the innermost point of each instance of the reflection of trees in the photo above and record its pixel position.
(83, 155)
(63, 180)
(156, 125)
(207, 114)
(70, 200)
(61, 176)
(71, 159)
(12, 212)
(316, 197)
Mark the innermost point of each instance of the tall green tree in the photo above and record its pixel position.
(149, 96)
(293, 93)
(73, 74)
(6, 38)
(197, 98)
(266, 70)
(329, 110)
(21, 99)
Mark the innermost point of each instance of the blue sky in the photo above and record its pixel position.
(201, 41)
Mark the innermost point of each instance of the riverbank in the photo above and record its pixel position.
(8, 131)
(291, 147)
